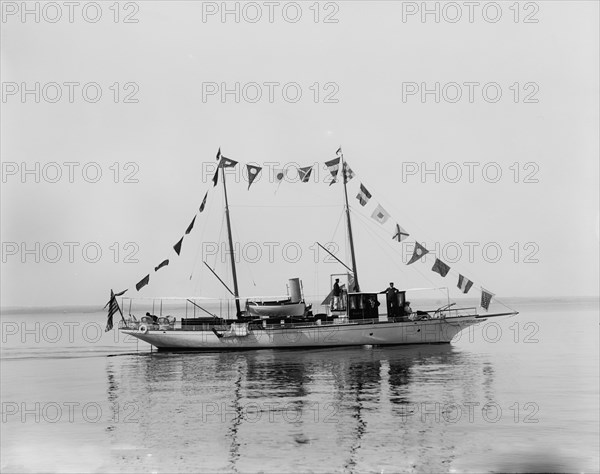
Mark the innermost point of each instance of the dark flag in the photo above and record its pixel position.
(440, 267)
(338, 151)
(333, 166)
(177, 246)
(363, 196)
(305, 173)
(113, 307)
(191, 226)
(486, 298)
(164, 263)
(252, 173)
(216, 177)
(219, 154)
(227, 163)
(347, 172)
(203, 202)
(400, 234)
(417, 253)
(143, 282)
(464, 284)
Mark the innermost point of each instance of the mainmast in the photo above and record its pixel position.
(232, 252)
(350, 237)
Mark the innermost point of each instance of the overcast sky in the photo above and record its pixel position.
(360, 68)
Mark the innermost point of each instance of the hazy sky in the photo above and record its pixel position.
(361, 68)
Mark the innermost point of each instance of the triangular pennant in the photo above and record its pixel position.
(338, 151)
(252, 173)
(216, 177)
(191, 226)
(143, 282)
(486, 298)
(380, 214)
(440, 267)
(363, 196)
(203, 202)
(219, 154)
(164, 263)
(304, 173)
(419, 252)
(400, 234)
(464, 284)
(177, 246)
(226, 162)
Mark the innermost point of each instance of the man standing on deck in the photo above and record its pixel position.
(391, 295)
(337, 292)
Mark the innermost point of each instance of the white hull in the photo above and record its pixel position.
(430, 331)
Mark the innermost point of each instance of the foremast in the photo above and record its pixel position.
(236, 292)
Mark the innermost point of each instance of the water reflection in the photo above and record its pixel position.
(244, 410)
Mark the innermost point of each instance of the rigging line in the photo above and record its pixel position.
(455, 274)
(388, 247)
(246, 264)
(474, 276)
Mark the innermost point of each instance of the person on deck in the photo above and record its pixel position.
(337, 292)
(407, 309)
(391, 295)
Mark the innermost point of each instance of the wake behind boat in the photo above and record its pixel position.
(346, 317)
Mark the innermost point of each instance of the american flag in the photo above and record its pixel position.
(113, 307)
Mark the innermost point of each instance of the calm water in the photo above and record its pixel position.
(517, 395)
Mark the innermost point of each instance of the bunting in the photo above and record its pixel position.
(177, 246)
(164, 263)
(143, 282)
(191, 226)
(304, 174)
(380, 214)
(252, 173)
(400, 234)
(486, 298)
(363, 196)
(440, 267)
(464, 284)
(203, 202)
(419, 252)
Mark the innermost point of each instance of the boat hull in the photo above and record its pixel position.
(431, 331)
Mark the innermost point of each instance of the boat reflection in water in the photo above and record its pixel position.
(363, 408)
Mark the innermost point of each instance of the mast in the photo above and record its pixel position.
(350, 237)
(232, 252)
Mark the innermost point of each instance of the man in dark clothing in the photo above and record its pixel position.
(337, 292)
(391, 295)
